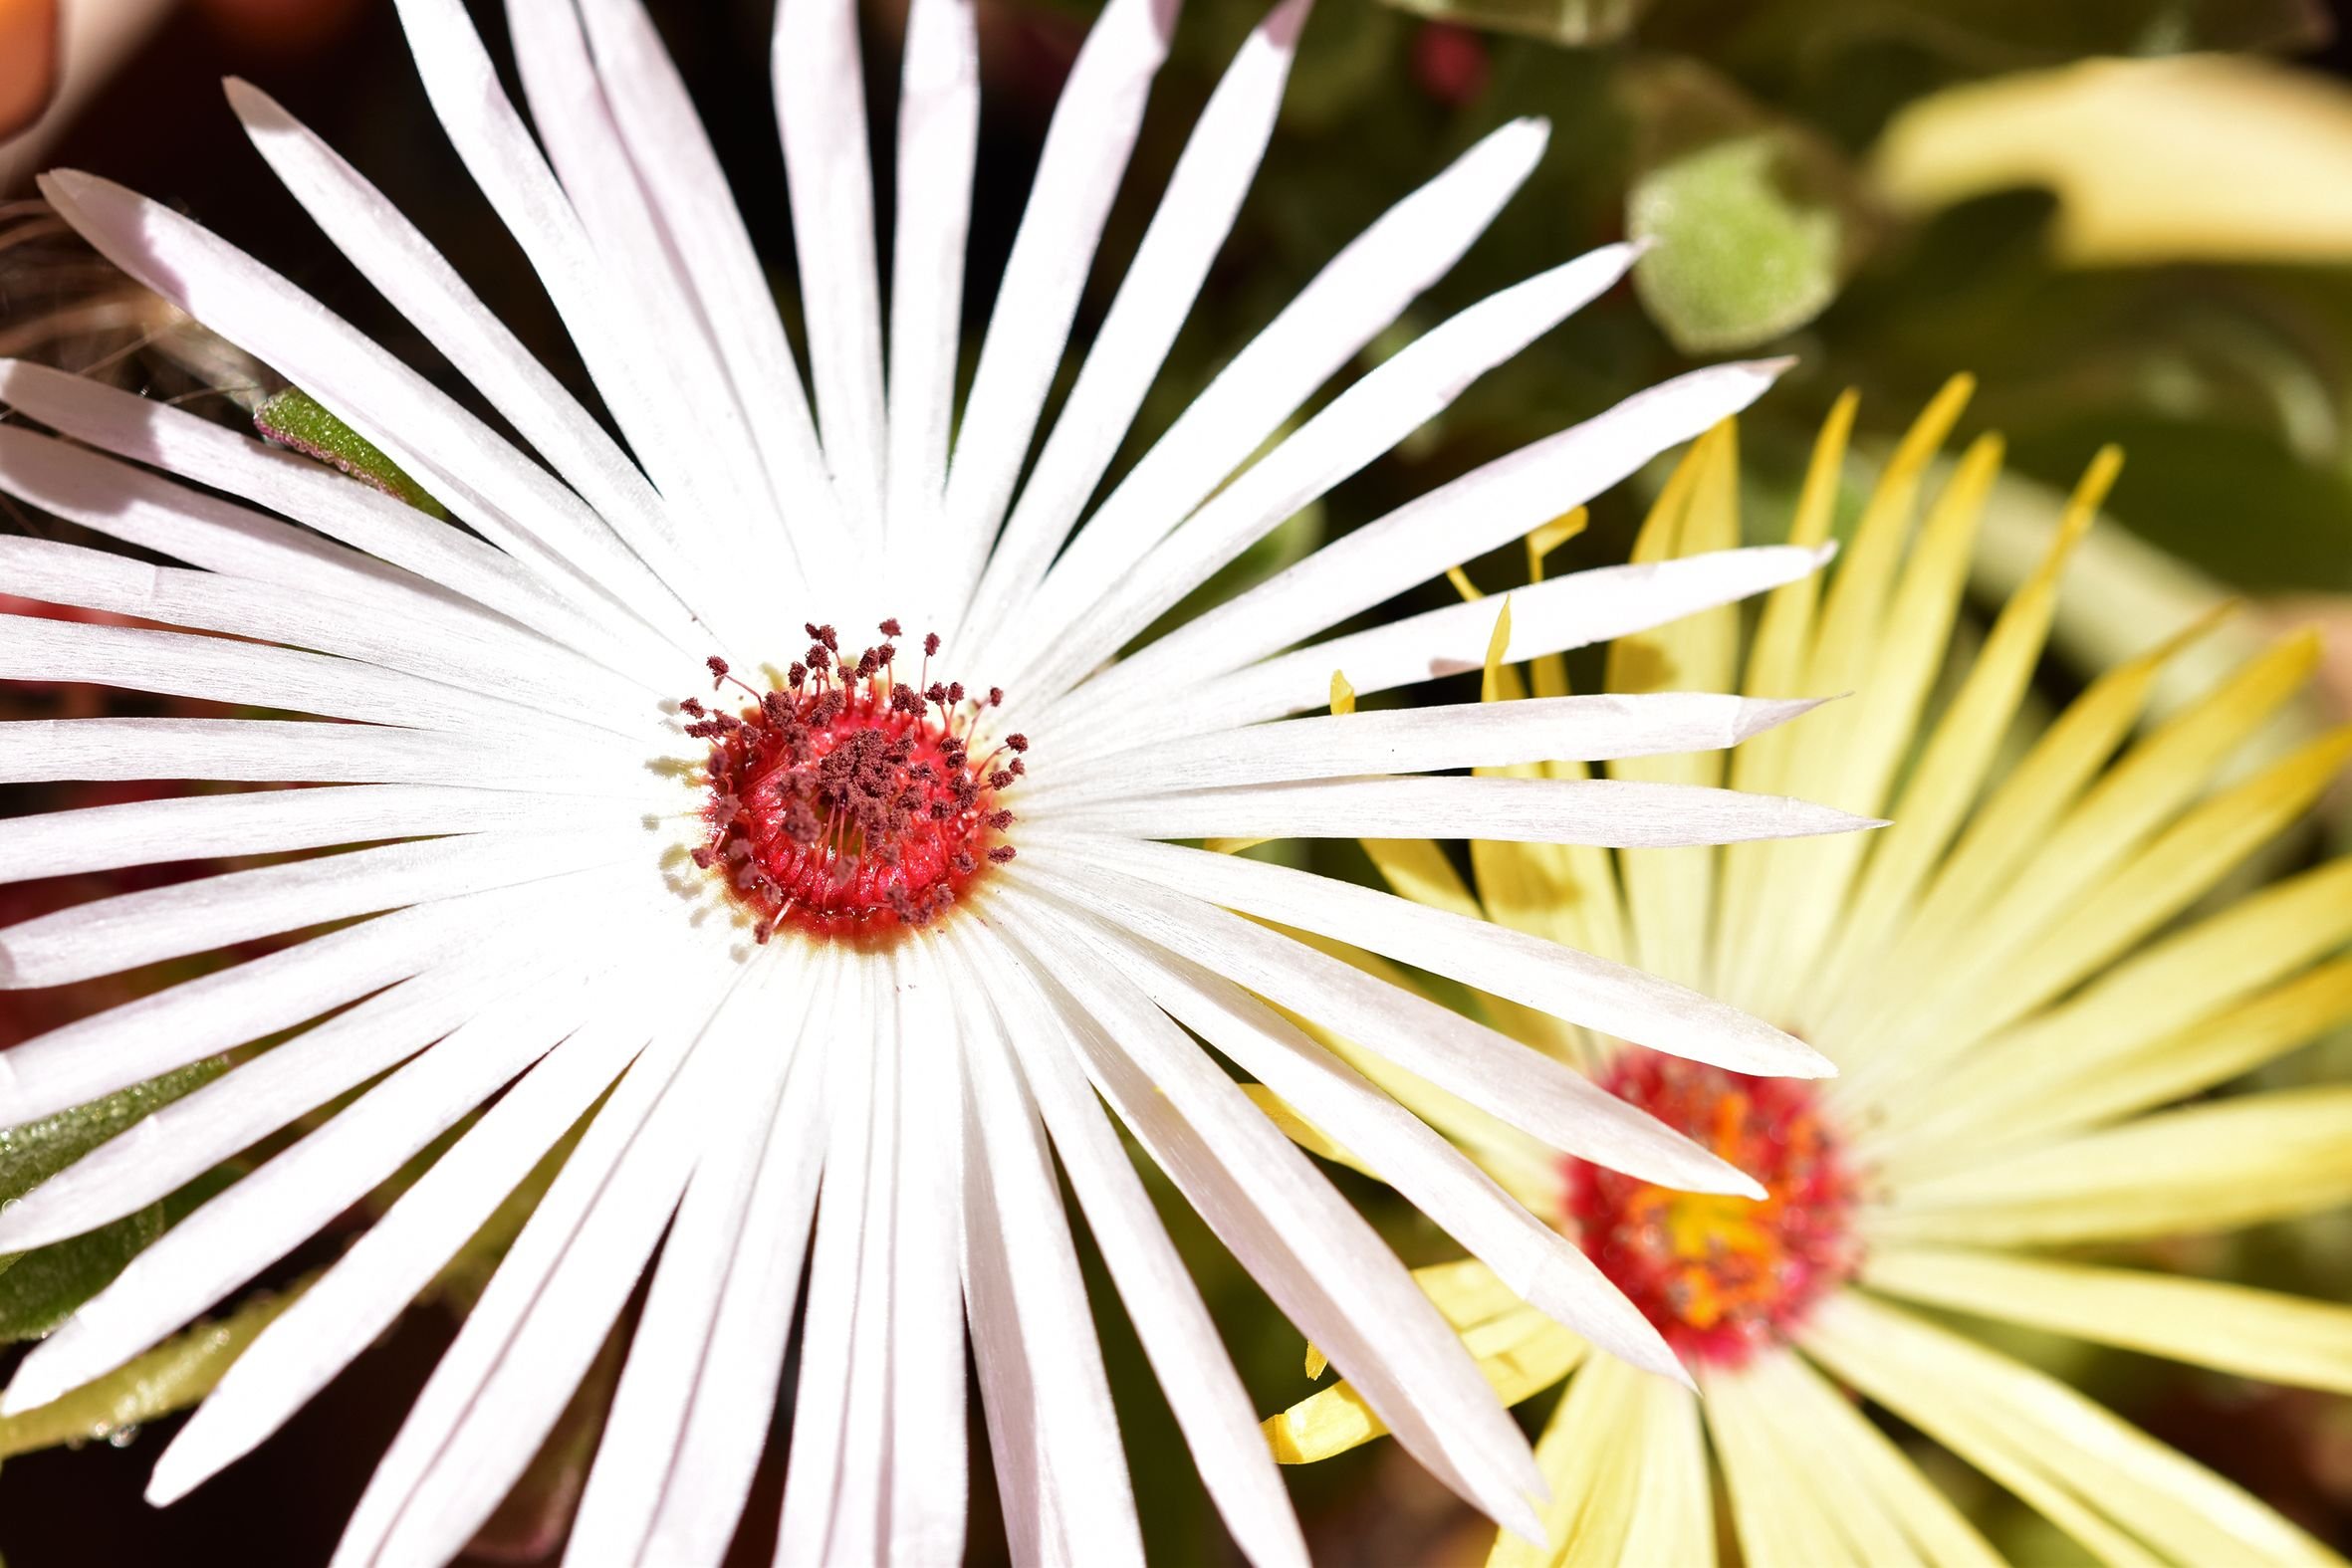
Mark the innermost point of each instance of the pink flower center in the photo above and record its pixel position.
(1722, 1276)
(847, 803)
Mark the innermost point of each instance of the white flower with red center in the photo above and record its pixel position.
(843, 945)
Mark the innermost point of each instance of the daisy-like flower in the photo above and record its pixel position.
(773, 794)
(2017, 1009)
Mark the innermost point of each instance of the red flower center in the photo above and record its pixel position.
(1722, 1276)
(847, 803)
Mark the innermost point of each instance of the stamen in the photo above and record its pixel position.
(848, 805)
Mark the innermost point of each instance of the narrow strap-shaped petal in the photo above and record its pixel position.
(1087, 148)
(820, 84)
(269, 1212)
(108, 935)
(420, 639)
(1357, 295)
(1560, 981)
(1188, 227)
(938, 141)
(548, 1308)
(1564, 612)
(506, 496)
(734, 1396)
(628, 366)
(255, 822)
(414, 558)
(357, 1298)
(1544, 1267)
(1311, 1253)
(136, 1040)
(1050, 1423)
(1187, 1357)
(1427, 740)
(1611, 813)
(1401, 394)
(407, 271)
(295, 751)
(669, 1350)
(192, 1134)
(1488, 508)
(1521, 1086)
(635, 241)
(258, 675)
(813, 1464)
(2096, 1476)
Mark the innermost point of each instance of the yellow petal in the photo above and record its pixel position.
(2169, 1009)
(1305, 1134)
(2119, 1491)
(2207, 1167)
(1522, 1353)
(2252, 1333)
(1587, 1463)
(1952, 765)
(2200, 157)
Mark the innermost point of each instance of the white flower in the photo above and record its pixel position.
(891, 1014)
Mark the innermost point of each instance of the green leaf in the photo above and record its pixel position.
(1573, 22)
(172, 1376)
(37, 1150)
(294, 418)
(40, 1289)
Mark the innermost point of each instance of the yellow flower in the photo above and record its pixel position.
(2021, 984)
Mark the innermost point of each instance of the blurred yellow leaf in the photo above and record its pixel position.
(2198, 157)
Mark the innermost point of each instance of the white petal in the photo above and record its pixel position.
(1403, 393)
(507, 498)
(136, 1040)
(734, 1396)
(425, 289)
(670, 1348)
(1514, 1082)
(368, 1287)
(1360, 293)
(192, 1134)
(1050, 1423)
(253, 822)
(813, 1467)
(1087, 146)
(938, 139)
(1488, 508)
(429, 559)
(1427, 740)
(1549, 617)
(527, 1341)
(1294, 1233)
(257, 675)
(1542, 1267)
(269, 1212)
(680, 176)
(292, 751)
(820, 85)
(1614, 814)
(108, 935)
(438, 642)
(1195, 1373)
(928, 1481)
(631, 371)
(1559, 981)
(1186, 231)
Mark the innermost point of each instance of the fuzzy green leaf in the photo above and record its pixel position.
(40, 1289)
(37, 1150)
(294, 418)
